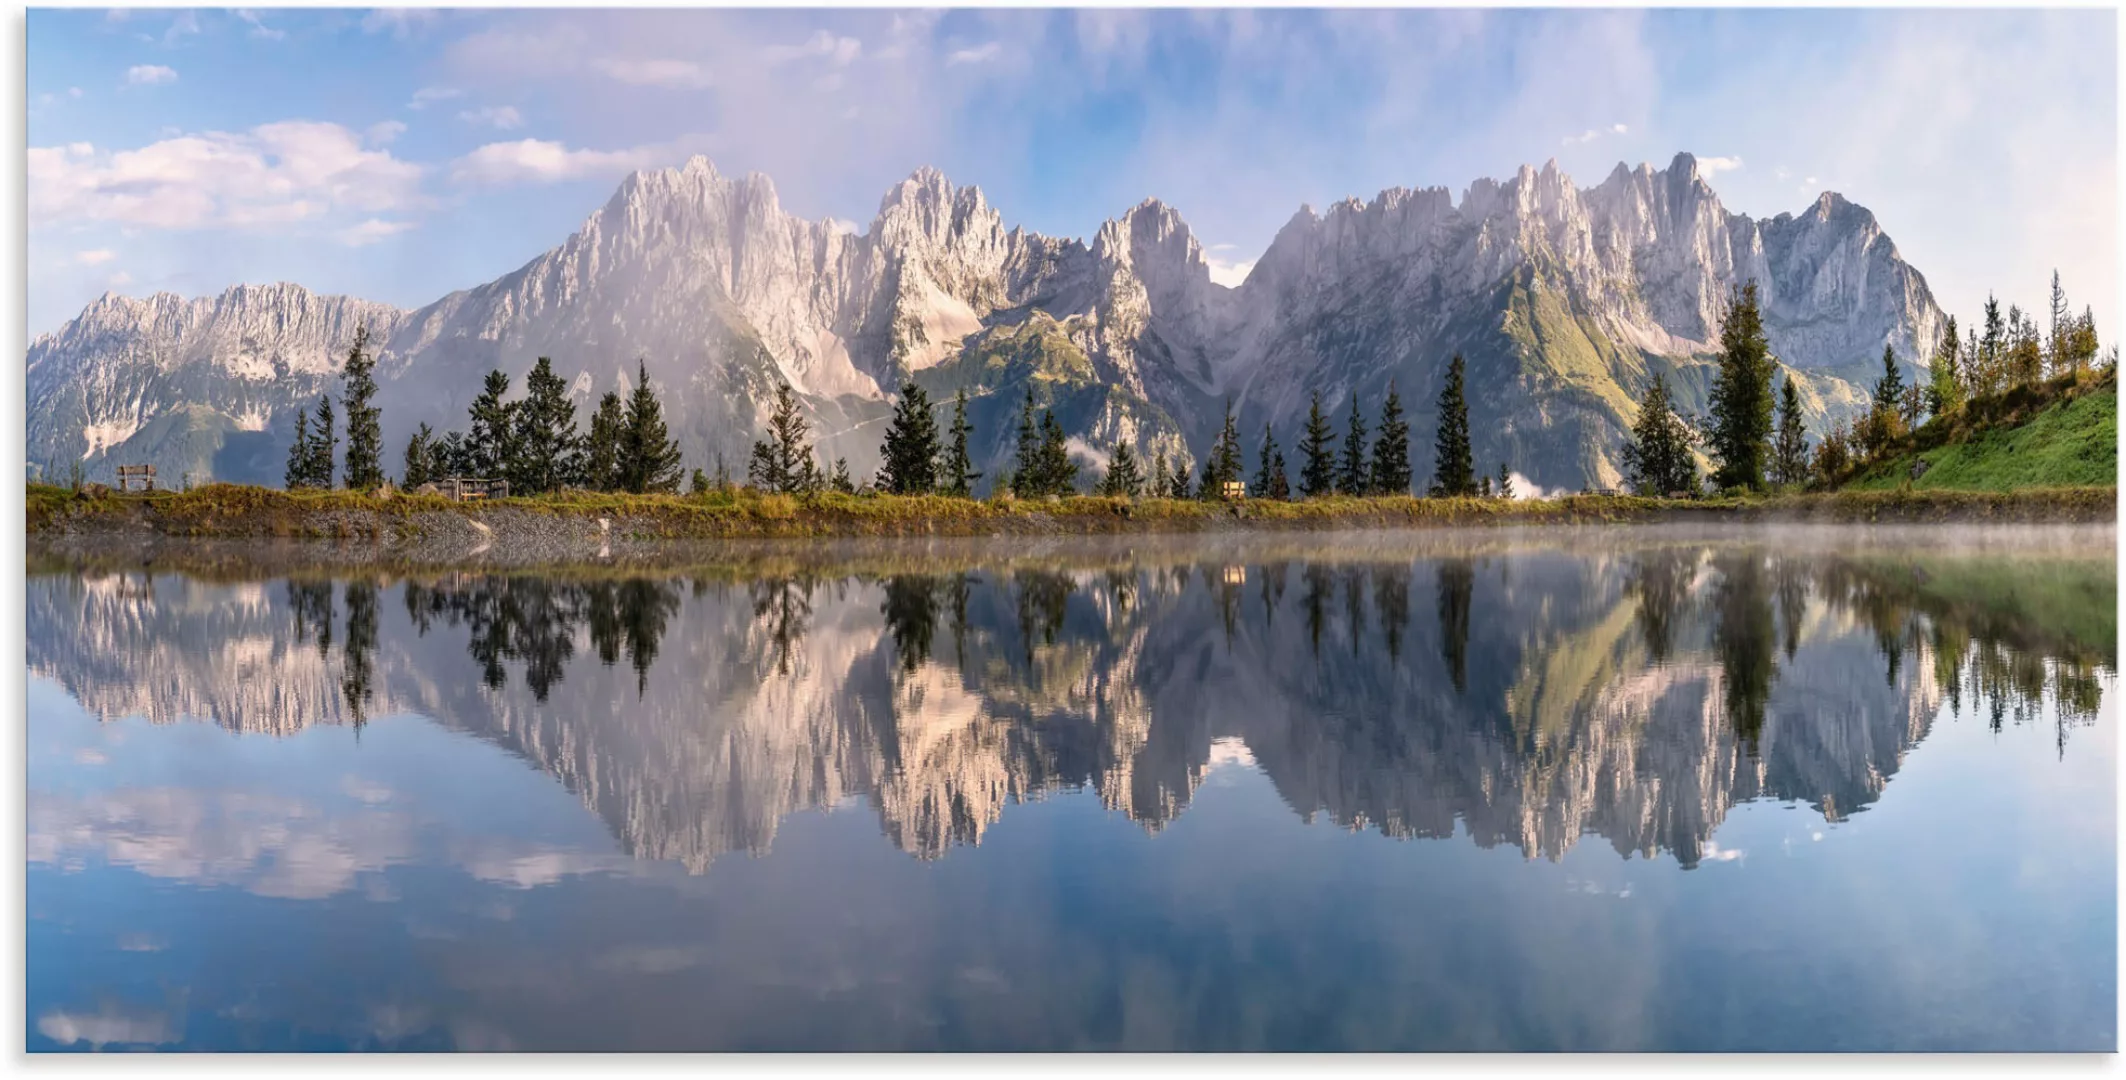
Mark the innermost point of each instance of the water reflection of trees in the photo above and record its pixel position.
(535, 621)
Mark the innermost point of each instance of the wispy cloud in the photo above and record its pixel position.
(670, 74)
(383, 132)
(149, 75)
(398, 22)
(259, 29)
(499, 117)
(96, 257)
(371, 231)
(1591, 134)
(835, 49)
(539, 161)
(429, 95)
(1714, 166)
(977, 54)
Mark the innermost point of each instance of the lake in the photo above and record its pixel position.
(1549, 790)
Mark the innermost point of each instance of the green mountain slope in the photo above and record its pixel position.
(2063, 433)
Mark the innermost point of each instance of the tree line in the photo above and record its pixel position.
(1757, 439)
(536, 445)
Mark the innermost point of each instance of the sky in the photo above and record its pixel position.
(401, 154)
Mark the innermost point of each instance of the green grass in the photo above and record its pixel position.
(2062, 433)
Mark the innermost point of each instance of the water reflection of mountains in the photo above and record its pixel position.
(1534, 697)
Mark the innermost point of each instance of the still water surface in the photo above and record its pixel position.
(1580, 791)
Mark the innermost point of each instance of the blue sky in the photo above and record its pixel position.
(400, 155)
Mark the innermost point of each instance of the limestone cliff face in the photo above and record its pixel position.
(693, 718)
(1562, 299)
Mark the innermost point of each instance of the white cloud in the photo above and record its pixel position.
(1225, 271)
(501, 117)
(978, 54)
(539, 161)
(384, 132)
(837, 50)
(670, 74)
(95, 258)
(274, 173)
(149, 75)
(371, 231)
(186, 22)
(259, 29)
(428, 95)
(398, 22)
(1591, 134)
(1714, 166)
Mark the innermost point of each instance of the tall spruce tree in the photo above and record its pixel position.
(1223, 465)
(841, 481)
(1891, 386)
(324, 440)
(1122, 479)
(1992, 351)
(365, 434)
(959, 473)
(783, 461)
(492, 432)
(549, 452)
(1945, 390)
(1055, 472)
(297, 473)
(649, 457)
(1790, 448)
(419, 463)
(1317, 474)
(1505, 488)
(601, 446)
(1270, 479)
(1026, 478)
(1354, 469)
(1155, 484)
(911, 449)
(1657, 460)
(1741, 397)
(1454, 467)
(1391, 449)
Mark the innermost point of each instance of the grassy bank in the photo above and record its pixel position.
(2059, 433)
(237, 512)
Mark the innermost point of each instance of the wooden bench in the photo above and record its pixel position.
(144, 474)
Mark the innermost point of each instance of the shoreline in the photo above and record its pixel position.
(402, 529)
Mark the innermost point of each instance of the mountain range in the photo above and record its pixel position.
(1562, 299)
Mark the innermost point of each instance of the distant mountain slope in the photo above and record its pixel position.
(1562, 299)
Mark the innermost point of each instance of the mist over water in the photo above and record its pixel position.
(1624, 789)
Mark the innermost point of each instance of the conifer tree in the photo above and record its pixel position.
(1155, 484)
(783, 461)
(1122, 479)
(1317, 475)
(601, 447)
(419, 465)
(649, 457)
(1026, 476)
(2062, 328)
(911, 449)
(1354, 470)
(1790, 448)
(365, 435)
(447, 457)
(1223, 465)
(1657, 460)
(698, 484)
(841, 480)
(1391, 450)
(1483, 488)
(297, 473)
(1945, 390)
(324, 440)
(1270, 481)
(548, 450)
(1741, 397)
(1505, 488)
(1454, 468)
(1060, 472)
(1912, 405)
(959, 473)
(492, 431)
(1992, 350)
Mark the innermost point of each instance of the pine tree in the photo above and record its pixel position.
(1790, 448)
(1505, 488)
(1912, 406)
(1945, 389)
(419, 465)
(1974, 380)
(1454, 470)
(840, 480)
(1483, 488)
(911, 449)
(698, 484)
(298, 472)
(548, 450)
(365, 435)
(1060, 472)
(1318, 475)
(1177, 483)
(1354, 470)
(1122, 480)
(493, 427)
(448, 457)
(1155, 484)
(2062, 328)
(1270, 481)
(959, 473)
(1026, 479)
(783, 461)
(1742, 395)
(649, 458)
(1891, 386)
(323, 441)
(1391, 451)
(601, 447)
(1223, 465)
(1657, 460)
(1992, 350)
